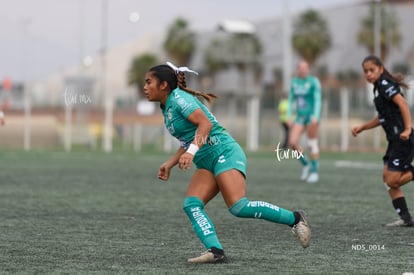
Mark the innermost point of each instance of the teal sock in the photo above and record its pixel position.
(304, 160)
(244, 208)
(202, 225)
(314, 166)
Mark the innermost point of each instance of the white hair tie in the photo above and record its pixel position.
(180, 69)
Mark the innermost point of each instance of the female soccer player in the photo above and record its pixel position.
(395, 118)
(305, 93)
(220, 162)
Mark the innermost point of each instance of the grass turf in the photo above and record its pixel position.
(96, 213)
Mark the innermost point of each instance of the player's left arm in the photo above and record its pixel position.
(400, 101)
(204, 126)
(317, 100)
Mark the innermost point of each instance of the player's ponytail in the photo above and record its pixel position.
(181, 83)
(183, 86)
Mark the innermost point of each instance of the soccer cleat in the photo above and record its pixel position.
(313, 178)
(302, 230)
(211, 256)
(400, 223)
(305, 172)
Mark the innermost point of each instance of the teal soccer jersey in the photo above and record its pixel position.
(306, 93)
(178, 107)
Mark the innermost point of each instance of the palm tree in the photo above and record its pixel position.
(389, 32)
(311, 37)
(180, 43)
(139, 66)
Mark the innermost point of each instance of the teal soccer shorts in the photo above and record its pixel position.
(222, 158)
(303, 119)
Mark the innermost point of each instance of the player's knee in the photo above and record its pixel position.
(192, 202)
(313, 145)
(237, 208)
(391, 180)
(391, 184)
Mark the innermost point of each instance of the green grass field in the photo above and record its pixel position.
(95, 213)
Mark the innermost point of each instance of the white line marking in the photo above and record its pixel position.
(358, 164)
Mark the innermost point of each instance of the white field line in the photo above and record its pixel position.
(358, 164)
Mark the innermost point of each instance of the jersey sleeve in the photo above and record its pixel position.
(186, 104)
(388, 89)
(317, 93)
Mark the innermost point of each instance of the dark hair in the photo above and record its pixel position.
(174, 80)
(398, 77)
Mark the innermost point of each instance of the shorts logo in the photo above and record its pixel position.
(396, 162)
(221, 159)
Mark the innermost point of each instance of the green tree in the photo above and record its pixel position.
(180, 42)
(138, 68)
(390, 34)
(311, 37)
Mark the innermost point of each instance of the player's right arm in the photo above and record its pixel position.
(399, 100)
(366, 126)
(165, 168)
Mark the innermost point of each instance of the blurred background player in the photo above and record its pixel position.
(219, 159)
(395, 118)
(284, 120)
(305, 96)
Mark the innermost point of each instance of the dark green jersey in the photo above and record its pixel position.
(176, 111)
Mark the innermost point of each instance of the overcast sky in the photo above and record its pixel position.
(40, 37)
